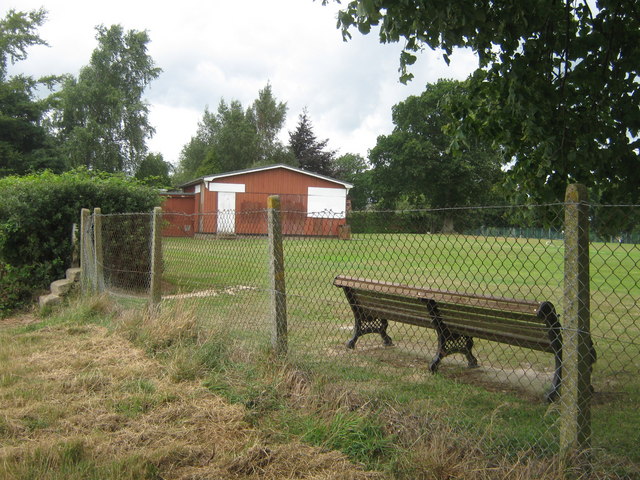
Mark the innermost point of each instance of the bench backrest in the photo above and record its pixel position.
(517, 322)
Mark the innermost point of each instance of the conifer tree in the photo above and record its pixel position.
(311, 154)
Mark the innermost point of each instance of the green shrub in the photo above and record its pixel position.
(15, 290)
(37, 213)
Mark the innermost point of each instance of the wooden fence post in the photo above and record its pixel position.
(156, 258)
(575, 392)
(75, 249)
(87, 261)
(98, 281)
(276, 267)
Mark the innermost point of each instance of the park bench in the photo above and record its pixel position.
(457, 318)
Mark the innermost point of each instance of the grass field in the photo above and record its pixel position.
(503, 400)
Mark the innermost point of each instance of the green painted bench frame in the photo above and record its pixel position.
(457, 318)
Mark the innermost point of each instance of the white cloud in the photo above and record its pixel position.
(171, 123)
(213, 49)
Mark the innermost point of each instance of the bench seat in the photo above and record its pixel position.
(457, 318)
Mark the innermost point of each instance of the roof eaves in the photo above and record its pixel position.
(210, 178)
(192, 182)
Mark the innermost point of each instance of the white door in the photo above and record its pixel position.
(226, 212)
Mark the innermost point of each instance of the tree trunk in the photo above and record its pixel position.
(447, 225)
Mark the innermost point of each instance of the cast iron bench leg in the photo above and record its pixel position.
(452, 343)
(364, 325)
(448, 342)
(553, 394)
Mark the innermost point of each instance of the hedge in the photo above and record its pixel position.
(37, 213)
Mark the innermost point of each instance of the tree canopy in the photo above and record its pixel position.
(353, 168)
(154, 170)
(232, 138)
(236, 142)
(226, 140)
(556, 86)
(311, 153)
(413, 164)
(103, 118)
(269, 116)
(17, 34)
(25, 142)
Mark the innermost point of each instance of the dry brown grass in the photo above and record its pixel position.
(158, 329)
(91, 394)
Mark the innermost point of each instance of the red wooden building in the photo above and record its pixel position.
(235, 203)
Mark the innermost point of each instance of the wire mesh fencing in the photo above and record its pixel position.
(454, 310)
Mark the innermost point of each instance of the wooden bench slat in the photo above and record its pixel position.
(459, 317)
(479, 325)
(508, 319)
(416, 309)
(525, 306)
(525, 317)
(418, 306)
(420, 321)
(409, 302)
(519, 338)
(515, 334)
(503, 337)
(537, 342)
(497, 329)
(449, 315)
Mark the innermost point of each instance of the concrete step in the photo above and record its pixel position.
(49, 300)
(61, 287)
(74, 274)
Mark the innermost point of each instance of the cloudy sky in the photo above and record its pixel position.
(213, 49)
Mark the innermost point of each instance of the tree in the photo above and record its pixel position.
(234, 139)
(414, 164)
(310, 153)
(154, 171)
(237, 143)
(269, 116)
(225, 141)
(353, 168)
(17, 34)
(194, 153)
(103, 119)
(25, 142)
(556, 86)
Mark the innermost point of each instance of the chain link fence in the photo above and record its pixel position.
(398, 286)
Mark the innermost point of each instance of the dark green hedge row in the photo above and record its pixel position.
(37, 213)
(423, 221)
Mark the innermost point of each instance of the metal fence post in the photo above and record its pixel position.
(98, 281)
(575, 408)
(86, 254)
(276, 268)
(156, 257)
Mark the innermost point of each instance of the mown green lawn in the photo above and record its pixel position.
(236, 269)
